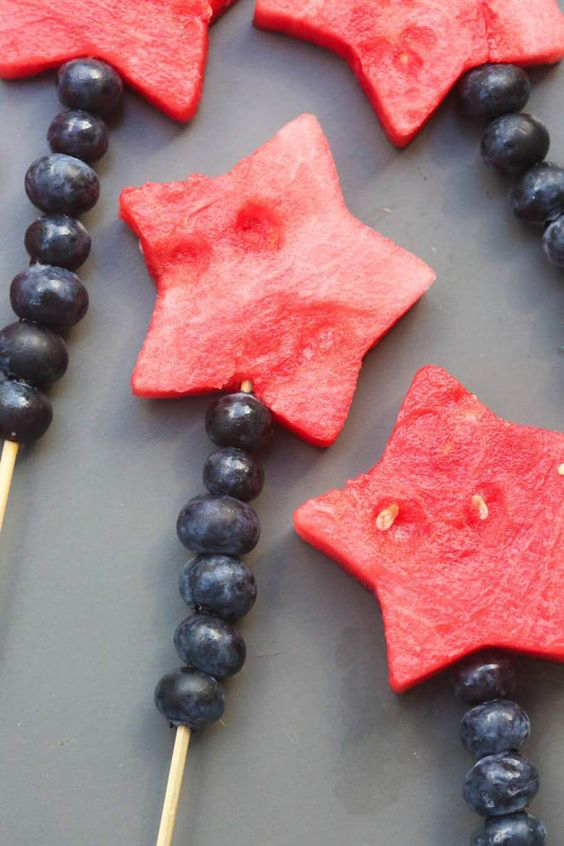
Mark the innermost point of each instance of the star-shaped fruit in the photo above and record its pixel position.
(408, 54)
(263, 274)
(458, 530)
(158, 46)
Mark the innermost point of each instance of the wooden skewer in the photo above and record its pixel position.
(174, 784)
(7, 464)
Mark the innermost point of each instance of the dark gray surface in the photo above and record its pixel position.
(315, 749)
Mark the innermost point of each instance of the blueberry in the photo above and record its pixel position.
(498, 726)
(538, 195)
(520, 829)
(513, 143)
(239, 420)
(218, 524)
(490, 91)
(25, 412)
(501, 784)
(32, 353)
(484, 676)
(220, 583)
(553, 241)
(233, 472)
(79, 134)
(52, 296)
(189, 697)
(59, 240)
(90, 84)
(209, 644)
(62, 184)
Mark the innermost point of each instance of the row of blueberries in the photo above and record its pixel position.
(502, 782)
(49, 297)
(517, 144)
(216, 585)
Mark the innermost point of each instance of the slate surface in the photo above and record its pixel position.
(315, 748)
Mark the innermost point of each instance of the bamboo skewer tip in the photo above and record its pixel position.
(7, 463)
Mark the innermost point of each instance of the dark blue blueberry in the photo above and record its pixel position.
(25, 412)
(553, 241)
(513, 830)
(513, 143)
(538, 195)
(32, 353)
(59, 240)
(220, 583)
(79, 134)
(90, 84)
(239, 420)
(498, 726)
(62, 184)
(52, 296)
(484, 676)
(233, 472)
(490, 91)
(189, 697)
(218, 524)
(501, 784)
(211, 645)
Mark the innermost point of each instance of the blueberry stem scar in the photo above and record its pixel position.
(174, 785)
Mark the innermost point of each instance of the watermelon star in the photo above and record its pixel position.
(158, 46)
(458, 530)
(263, 274)
(408, 54)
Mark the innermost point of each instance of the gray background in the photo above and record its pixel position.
(315, 749)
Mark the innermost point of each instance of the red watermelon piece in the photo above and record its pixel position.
(458, 530)
(408, 54)
(158, 46)
(263, 274)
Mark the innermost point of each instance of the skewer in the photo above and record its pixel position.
(174, 785)
(7, 464)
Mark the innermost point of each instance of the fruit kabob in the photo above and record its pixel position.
(158, 50)
(458, 531)
(316, 289)
(408, 61)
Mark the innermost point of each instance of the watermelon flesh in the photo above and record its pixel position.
(458, 530)
(158, 46)
(263, 274)
(408, 54)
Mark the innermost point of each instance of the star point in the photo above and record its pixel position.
(408, 54)
(458, 531)
(159, 48)
(264, 274)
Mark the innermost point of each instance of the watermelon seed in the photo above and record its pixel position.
(387, 517)
(480, 503)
